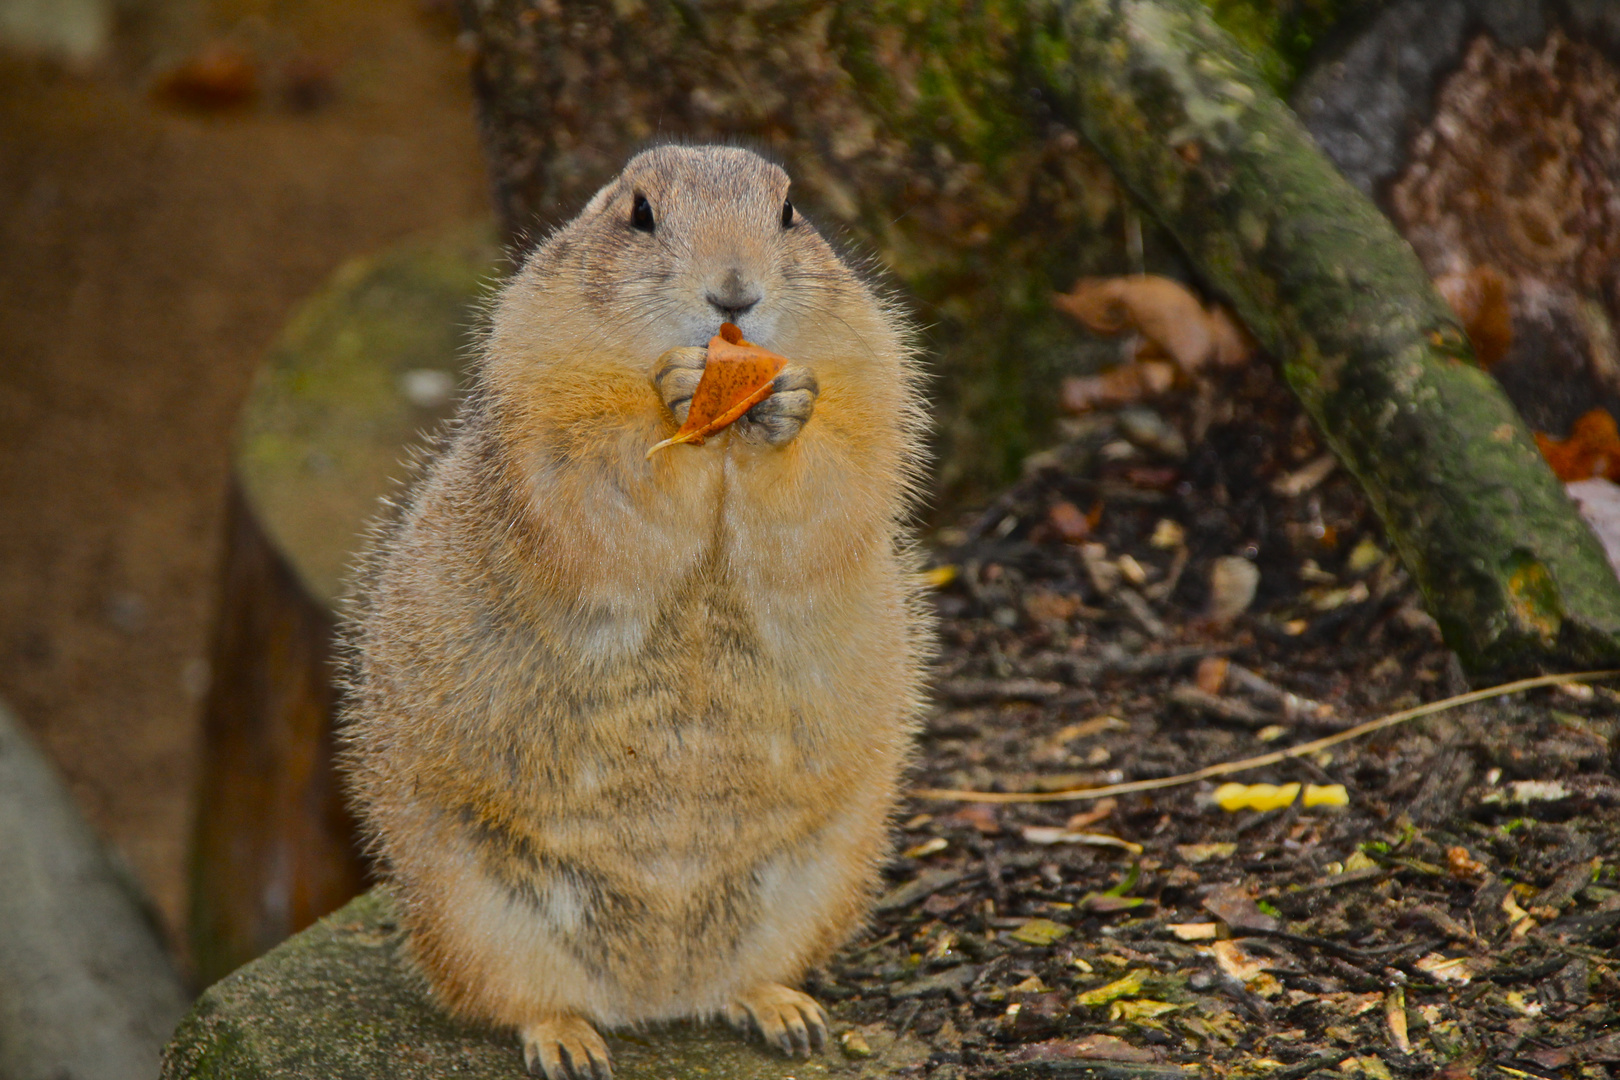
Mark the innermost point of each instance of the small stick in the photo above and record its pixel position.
(1303, 749)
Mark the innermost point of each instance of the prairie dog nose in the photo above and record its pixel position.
(734, 297)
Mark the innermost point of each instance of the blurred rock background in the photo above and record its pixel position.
(176, 176)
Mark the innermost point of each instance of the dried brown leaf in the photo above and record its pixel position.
(1068, 522)
(1123, 385)
(220, 75)
(1592, 449)
(1172, 321)
(1480, 299)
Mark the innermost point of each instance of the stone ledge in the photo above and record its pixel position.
(340, 1001)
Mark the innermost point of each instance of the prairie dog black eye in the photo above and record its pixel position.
(787, 213)
(641, 215)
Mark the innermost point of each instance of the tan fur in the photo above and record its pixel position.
(627, 733)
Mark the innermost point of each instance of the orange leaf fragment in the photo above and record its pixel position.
(1592, 449)
(1068, 522)
(1481, 300)
(737, 376)
(1212, 671)
(220, 76)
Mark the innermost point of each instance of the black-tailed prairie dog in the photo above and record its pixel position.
(626, 733)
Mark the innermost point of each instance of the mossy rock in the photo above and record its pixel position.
(342, 1001)
(366, 370)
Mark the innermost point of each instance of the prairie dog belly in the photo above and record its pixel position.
(640, 904)
(639, 934)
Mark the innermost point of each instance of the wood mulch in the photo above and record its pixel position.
(1460, 916)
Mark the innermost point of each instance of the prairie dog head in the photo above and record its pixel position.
(687, 238)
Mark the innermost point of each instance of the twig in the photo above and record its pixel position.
(1141, 614)
(1149, 663)
(1161, 590)
(1332, 948)
(1303, 749)
(1293, 706)
(1231, 710)
(972, 691)
(1300, 1070)
(1349, 877)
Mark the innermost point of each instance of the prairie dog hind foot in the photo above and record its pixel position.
(569, 1048)
(565, 1048)
(787, 1019)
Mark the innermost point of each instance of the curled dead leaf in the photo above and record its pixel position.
(1444, 969)
(1395, 1019)
(1040, 932)
(981, 817)
(1140, 1010)
(931, 846)
(1047, 835)
(1211, 677)
(1463, 866)
(1121, 386)
(1128, 986)
(1102, 809)
(1173, 323)
(1233, 581)
(737, 376)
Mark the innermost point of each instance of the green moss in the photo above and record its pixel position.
(1284, 34)
(995, 219)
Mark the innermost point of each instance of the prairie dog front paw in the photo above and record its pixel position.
(676, 375)
(781, 416)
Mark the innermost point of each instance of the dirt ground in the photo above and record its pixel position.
(1456, 916)
(149, 251)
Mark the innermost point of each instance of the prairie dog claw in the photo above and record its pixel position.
(780, 417)
(676, 375)
(792, 1022)
(565, 1048)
